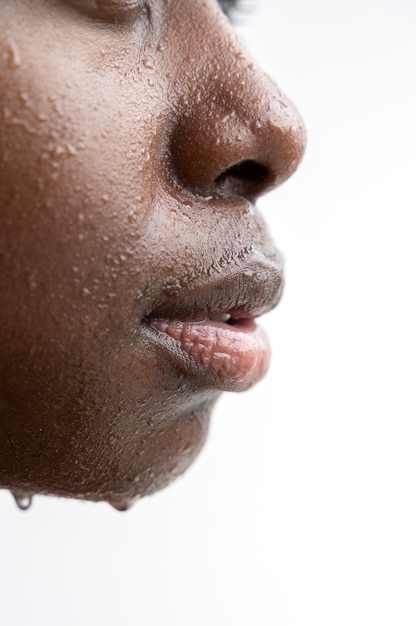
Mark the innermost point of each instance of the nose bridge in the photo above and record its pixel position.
(228, 84)
(229, 111)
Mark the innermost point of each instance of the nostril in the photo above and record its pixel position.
(245, 170)
(247, 177)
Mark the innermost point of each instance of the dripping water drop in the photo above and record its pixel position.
(23, 500)
(123, 504)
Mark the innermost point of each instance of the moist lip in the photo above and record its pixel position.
(231, 355)
(209, 329)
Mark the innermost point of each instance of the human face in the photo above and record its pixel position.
(135, 137)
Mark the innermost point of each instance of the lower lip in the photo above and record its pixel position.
(230, 357)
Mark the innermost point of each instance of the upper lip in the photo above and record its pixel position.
(244, 290)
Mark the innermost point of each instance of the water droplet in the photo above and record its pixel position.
(123, 504)
(15, 60)
(23, 97)
(148, 64)
(33, 283)
(256, 126)
(58, 151)
(23, 500)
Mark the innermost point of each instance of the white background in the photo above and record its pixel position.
(301, 509)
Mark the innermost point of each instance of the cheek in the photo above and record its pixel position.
(72, 193)
(94, 413)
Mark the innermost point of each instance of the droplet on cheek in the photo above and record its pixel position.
(14, 60)
(147, 64)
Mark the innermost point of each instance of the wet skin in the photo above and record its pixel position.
(134, 141)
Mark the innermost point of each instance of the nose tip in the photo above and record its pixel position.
(280, 136)
(243, 137)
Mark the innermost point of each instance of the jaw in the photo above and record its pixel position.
(116, 442)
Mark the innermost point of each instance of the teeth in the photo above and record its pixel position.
(220, 317)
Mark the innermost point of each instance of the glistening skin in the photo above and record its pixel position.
(135, 139)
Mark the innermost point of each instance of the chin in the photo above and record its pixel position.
(168, 455)
(118, 468)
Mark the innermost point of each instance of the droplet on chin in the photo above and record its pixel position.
(23, 500)
(124, 504)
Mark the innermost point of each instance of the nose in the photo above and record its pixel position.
(235, 133)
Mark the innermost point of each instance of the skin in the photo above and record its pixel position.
(120, 131)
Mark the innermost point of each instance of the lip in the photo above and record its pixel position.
(208, 330)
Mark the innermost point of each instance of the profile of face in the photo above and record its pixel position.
(135, 138)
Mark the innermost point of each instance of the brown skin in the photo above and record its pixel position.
(118, 132)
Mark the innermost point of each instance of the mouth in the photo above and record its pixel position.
(209, 330)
